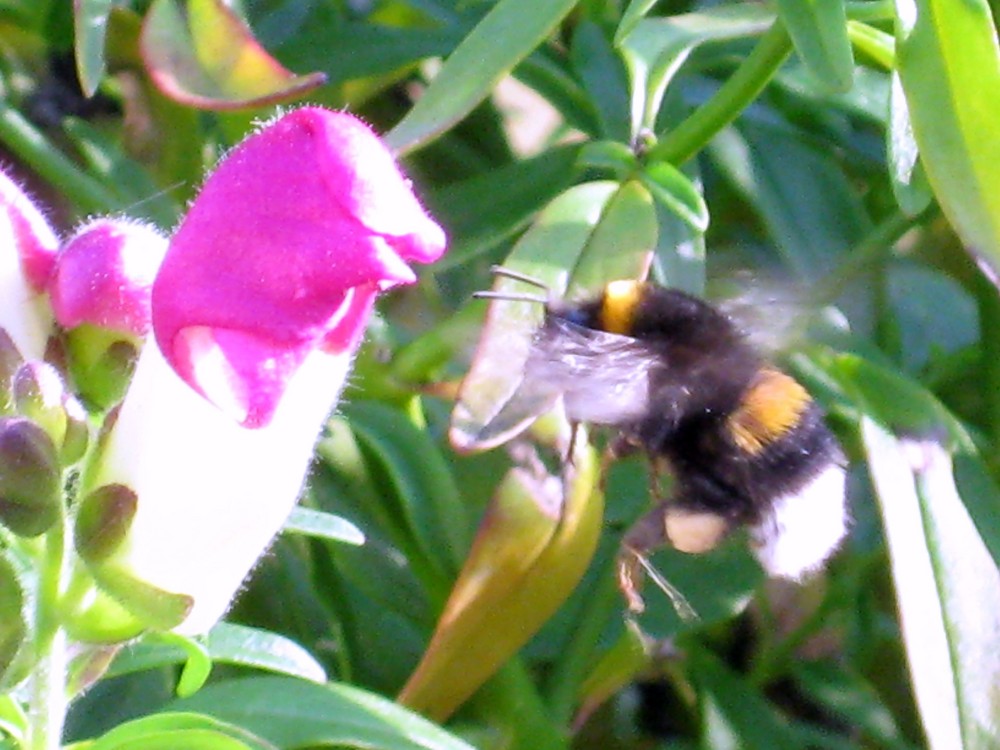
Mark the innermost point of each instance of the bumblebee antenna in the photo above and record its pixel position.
(517, 276)
(511, 297)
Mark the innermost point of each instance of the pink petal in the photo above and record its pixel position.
(269, 261)
(104, 276)
(35, 240)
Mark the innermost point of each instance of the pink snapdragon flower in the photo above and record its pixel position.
(27, 251)
(283, 253)
(258, 306)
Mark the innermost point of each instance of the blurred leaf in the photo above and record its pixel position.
(136, 192)
(734, 712)
(853, 700)
(676, 192)
(948, 59)
(316, 523)
(947, 589)
(603, 75)
(909, 181)
(481, 211)
(207, 57)
(415, 468)
(802, 194)
(506, 35)
(532, 548)
(178, 730)
(878, 45)
(819, 32)
(90, 23)
(656, 48)
(618, 667)
(294, 713)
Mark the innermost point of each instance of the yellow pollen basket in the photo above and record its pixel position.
(770, 408)
(621, 298)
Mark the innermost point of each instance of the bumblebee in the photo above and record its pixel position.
(675, 376)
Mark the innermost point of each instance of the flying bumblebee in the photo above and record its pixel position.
(677, 379)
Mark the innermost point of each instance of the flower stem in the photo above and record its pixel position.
(47, 684)
(691, 135)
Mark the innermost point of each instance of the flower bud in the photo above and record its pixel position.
(39, 395)
(102, 521)
(10, 361)
(27, 250)
(30, 487)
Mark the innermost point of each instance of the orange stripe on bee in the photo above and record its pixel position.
(621, 298)
(770, 407)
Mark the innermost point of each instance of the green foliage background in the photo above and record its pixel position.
(780, 140)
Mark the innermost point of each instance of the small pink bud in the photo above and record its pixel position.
(283, 253)
(104, 275)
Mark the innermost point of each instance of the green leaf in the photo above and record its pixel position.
(90, 25)
(135, 190)
(909, 181)
(294, 713)
(506, 35)
(226, 643)
(734, 712)
(852, 699)
(481, 211)
(948, 60)
(413, 465)
(603, 75)
(171, 731)
(656, 48)
(676, 192)
(807, 202)
(947, 589)
(819, 32)
(316, 523)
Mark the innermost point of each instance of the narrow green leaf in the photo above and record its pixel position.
(603, 76)
(909, 181)
(295, 713)
(316, 523)
(171, 731)
(90, 26)
(412, 462)
(733, 710)
(481, 211)
(819, 32)
(506, 35)
(673, 189)
(947, 589)
(875, 43)
(252, 647)
(656, 48)
(949, 62)
(13, 625)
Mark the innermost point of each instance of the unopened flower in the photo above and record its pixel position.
(27, 251)
(103, 276)
(261, 299)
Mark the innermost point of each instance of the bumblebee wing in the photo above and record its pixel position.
(602, 377)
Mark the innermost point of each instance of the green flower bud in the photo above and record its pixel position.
(10, 361)
(38, 395)
(30, 487)
(101, 362)
(102, 522)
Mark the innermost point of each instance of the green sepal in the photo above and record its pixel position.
(13, 626)
(102, 522)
